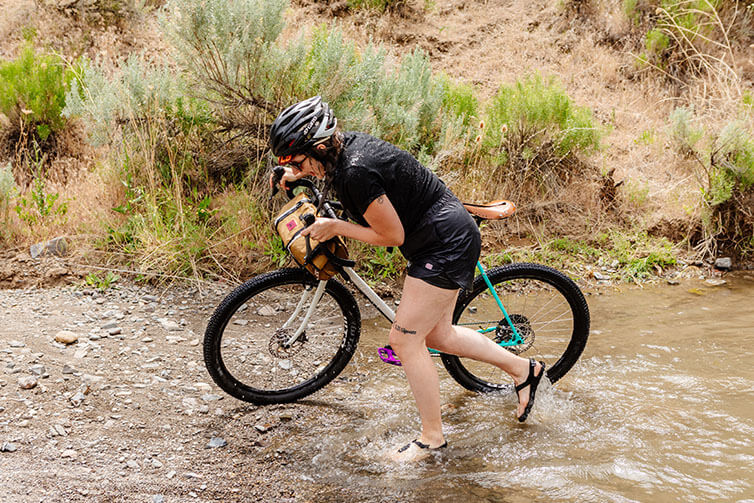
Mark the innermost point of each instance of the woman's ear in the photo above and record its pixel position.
(321, 147)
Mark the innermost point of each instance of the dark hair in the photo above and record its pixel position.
(330, 154)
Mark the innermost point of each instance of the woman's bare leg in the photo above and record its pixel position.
(468, 343)
(422, 307)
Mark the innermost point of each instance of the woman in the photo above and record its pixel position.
(395, 201)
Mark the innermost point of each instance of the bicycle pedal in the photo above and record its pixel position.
(387, 355)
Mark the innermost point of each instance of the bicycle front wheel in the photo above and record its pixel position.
(547, 309)
(250, 348)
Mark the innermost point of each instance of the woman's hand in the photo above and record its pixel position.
(322, 229)
(288, 176)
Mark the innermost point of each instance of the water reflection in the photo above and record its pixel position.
(659, 409)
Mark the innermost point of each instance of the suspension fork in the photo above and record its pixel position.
(517, 339)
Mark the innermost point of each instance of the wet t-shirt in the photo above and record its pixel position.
(369, 167)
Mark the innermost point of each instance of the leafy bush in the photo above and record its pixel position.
(724, 162)
(534, 129)
(32, 92)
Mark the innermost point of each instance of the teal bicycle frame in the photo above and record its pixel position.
(516, 339)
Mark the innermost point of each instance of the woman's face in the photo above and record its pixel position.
(307, 165)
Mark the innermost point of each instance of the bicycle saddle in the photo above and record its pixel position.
(495, 210)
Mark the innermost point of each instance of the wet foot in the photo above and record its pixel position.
(524, 393)
(415, 451)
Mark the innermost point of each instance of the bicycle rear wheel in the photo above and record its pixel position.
(547, 309)
(247, 347)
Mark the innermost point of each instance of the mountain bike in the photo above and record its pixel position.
(283, 335)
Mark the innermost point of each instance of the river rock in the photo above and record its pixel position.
(724, 263)
(715, 282)
(66, 337)
(169, 325)
(69, 453)
(599, 276)
(215, 442)
(57, 247)
(27, 382)
(37, 370)
(266, 311)
(8, 447)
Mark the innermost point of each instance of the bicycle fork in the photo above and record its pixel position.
(318, 293)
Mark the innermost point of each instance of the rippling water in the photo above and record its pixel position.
(660, 408)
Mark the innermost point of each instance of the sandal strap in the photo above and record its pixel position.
(422, 445)
(530, 378)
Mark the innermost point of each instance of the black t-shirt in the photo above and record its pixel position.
(369, 167)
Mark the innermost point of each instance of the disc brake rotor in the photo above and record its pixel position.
(504, 333)
(278, 347)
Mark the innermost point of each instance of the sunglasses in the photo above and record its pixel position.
(288, 161)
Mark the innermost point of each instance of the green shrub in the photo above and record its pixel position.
(724, 163)
(535, 131)
(32, 92)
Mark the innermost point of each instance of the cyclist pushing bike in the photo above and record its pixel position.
(395, 201)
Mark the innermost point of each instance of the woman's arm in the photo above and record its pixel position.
(385, 228)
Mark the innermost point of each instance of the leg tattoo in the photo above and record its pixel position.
(403, 330)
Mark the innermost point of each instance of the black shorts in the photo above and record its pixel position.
(444, 248)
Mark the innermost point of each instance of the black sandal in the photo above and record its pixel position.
(532, 380)
(422, 445)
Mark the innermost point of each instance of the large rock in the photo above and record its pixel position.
(724, 263)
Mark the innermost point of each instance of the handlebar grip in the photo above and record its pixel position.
(308, 219)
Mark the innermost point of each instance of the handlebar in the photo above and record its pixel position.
(327, 208)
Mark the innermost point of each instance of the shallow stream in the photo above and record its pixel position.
(660, 408)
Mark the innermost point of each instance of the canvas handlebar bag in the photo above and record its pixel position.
(314, 255)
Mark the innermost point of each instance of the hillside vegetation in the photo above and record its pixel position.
(623, 130)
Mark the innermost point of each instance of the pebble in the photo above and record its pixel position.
(67, 369)
(69, 453)
(599, 276)
(215, 442)
(715, 282)
(169, 325)
(37, 370)
(170, 474)
(132, 464)
(8, 447)
(66, 337)
(27, 382)
(16, 344)
(266, 311)
(78, 399)
(57, 430)
(211, 397)
(158, 498)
